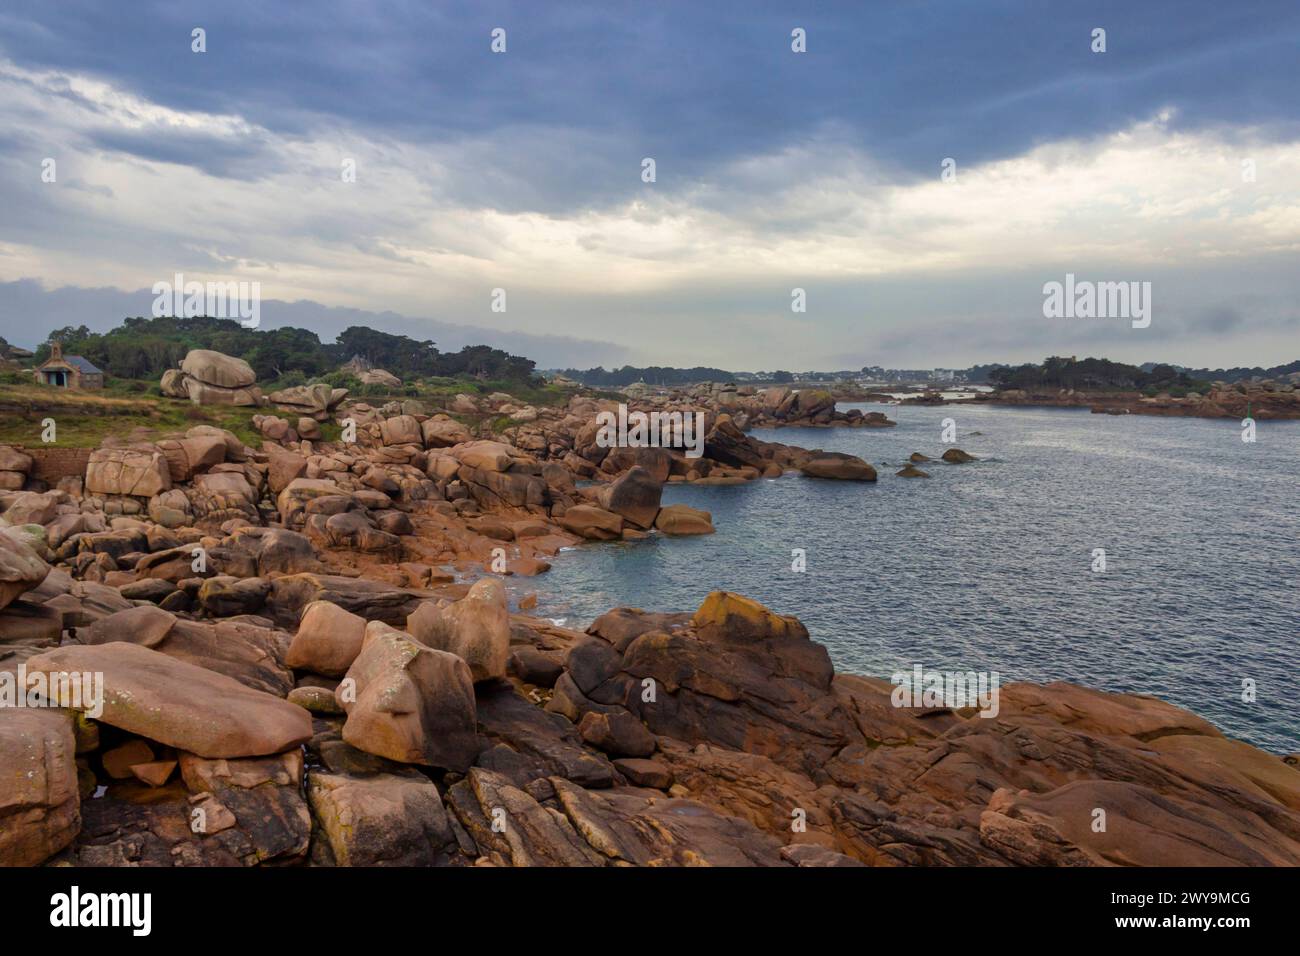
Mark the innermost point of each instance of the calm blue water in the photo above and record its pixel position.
(988, 566)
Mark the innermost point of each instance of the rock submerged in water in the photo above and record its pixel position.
(831, 464)
(911, 471)
(589, 521)
(680, 520)
(955, 456)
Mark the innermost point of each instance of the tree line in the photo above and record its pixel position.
(1090, 374)
(144, 348)
(598, 377)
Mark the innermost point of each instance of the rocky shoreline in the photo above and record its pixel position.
(308, 657)
(1260, 400)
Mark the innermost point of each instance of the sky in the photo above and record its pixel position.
(920, 171)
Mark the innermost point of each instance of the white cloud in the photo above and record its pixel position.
(401, 238)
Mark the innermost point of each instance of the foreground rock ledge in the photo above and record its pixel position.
(652, 739)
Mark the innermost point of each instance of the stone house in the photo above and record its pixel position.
(71, 371)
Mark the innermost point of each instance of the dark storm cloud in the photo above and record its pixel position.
(774, 170)
(694, 85)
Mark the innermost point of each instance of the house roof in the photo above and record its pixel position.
(83, 365)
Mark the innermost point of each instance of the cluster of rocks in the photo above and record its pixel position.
(571, 436)
(14, 468)
(206, 377)
(384, 726)
(776, 406)
(317, 402)
(952, 456)
(366, 373)
(212, 378)
(294, 672)
(1263, 400)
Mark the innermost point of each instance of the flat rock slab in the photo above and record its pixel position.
(182, 705)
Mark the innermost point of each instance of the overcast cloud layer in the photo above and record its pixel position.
(775, 170)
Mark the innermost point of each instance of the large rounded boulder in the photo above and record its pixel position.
(833, 464)
(217, 368)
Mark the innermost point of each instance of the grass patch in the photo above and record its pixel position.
(85, 419)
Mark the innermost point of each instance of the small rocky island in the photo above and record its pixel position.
(308, 657)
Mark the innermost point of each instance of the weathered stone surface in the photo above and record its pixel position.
(810, 854)
(180, 704)
(318, 700)
(328, 640)
(412, 704)
(401, 430)
(263, 552)
(838, 465)
(641, 772)
(351, 531)
(633, 826)
(154, 773)
(317, 401)
(533, 666)
(262, 796)
(383, 820)
(741, 677)
(227, 596)
(680, 520)
(284, 467)
(372, 600)
(118, 761)
(187, 457)
(13, 460)
(216, 368)
(532, 835)
(500, 490)
(588, 521)
(21, 569)
(40, 809)
(245, 651)
(635, 496)
(526, 743)
(476, 628)
(27, 625)
(31, 507)
(485, 455)
(140, 472)
(617, 733)
(725, 616)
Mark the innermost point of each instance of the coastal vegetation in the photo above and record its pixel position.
(1093, 374)
(143, 348)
